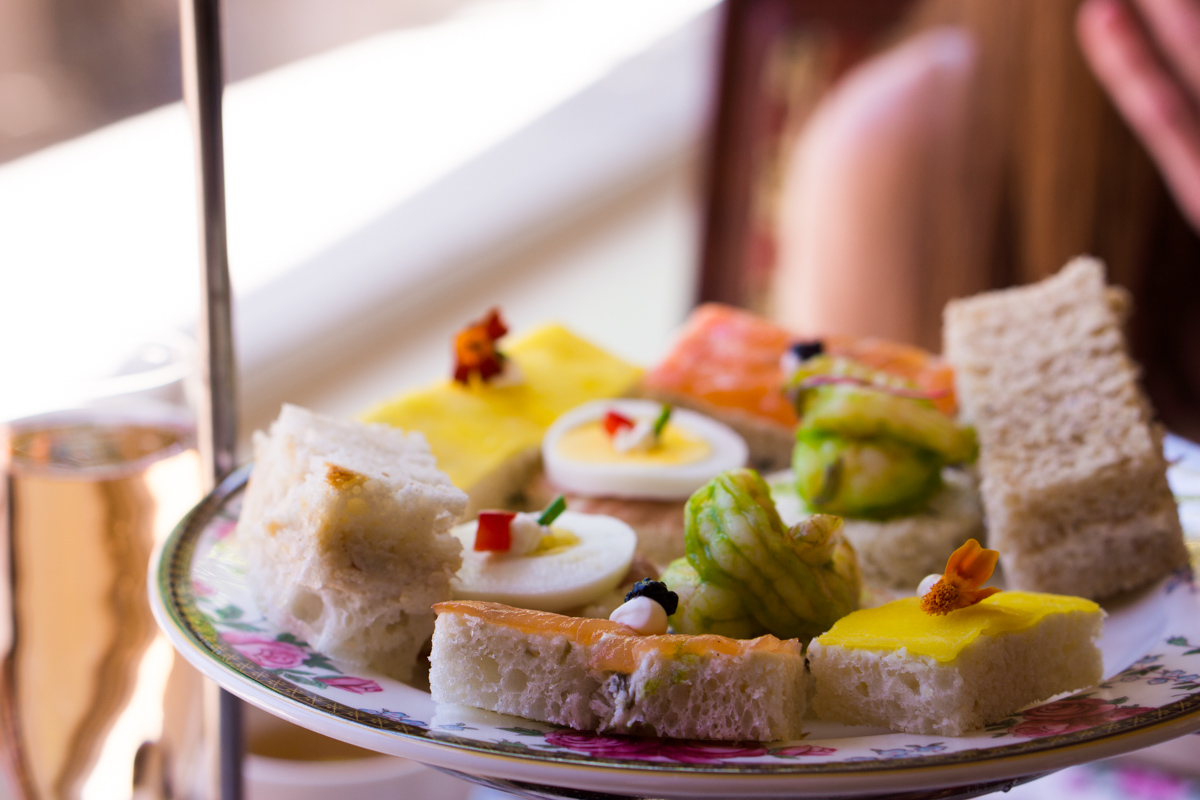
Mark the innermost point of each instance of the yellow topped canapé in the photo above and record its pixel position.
(589, 443)
(902, 623)
(476, 428)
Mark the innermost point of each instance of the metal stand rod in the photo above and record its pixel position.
(200, 35)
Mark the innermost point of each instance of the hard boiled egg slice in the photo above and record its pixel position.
(580, 458)
(584, 559)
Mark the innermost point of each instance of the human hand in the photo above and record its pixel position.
(1148, 58)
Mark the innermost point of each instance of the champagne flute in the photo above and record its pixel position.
(94, 703)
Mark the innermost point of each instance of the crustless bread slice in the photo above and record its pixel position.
(1073, 476)
(345, 528)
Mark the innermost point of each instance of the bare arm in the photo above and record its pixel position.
(1146, 53)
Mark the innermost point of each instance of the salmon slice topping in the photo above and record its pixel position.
(612, 647)
(730, 358)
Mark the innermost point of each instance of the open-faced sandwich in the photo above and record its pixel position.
(956, 657)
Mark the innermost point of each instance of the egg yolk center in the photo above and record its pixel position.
(557, 541)
(590, 443)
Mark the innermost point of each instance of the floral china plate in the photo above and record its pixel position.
(1151, 693)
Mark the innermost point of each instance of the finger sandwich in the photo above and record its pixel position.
(1073, 476)
(345, 528)
(898, 667)
(600, 675)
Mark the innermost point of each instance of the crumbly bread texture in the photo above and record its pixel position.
(994, 677)
(1073, 476)
(345, 531)
(898, 553)
(756, 692)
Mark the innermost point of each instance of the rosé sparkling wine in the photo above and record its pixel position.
(93, 700)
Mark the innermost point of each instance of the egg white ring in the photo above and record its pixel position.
(641, 481)
(557, 582)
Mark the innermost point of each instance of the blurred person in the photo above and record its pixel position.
(980, 152)
(1150, 64)
(872, 189)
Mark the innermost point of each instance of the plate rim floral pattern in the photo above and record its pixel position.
(194, 635)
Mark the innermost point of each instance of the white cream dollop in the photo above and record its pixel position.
(526, 534)
(640, 438)
(642, 614)
(927, 583)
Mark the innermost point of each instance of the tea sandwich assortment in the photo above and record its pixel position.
(601, 551)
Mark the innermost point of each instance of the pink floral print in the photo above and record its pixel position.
(265, 651)
(1067, 716)
(352, 684)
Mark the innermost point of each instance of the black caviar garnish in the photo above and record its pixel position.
(656, 591)
(806, 350)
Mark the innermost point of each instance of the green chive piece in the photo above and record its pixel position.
(661, 422)
(553, 510)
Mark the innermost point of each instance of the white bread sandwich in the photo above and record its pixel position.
(901, 668)
(345, 528)
(602, 676)
(1073, 477)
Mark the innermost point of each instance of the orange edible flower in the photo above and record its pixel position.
(475, 350)
(969, 567)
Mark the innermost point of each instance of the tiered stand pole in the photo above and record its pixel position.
(200, 34)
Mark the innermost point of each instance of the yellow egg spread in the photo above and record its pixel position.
(589, 443)
(902, 623)
(474, 429)
(556, 541)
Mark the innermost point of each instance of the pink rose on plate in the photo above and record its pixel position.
(1102, 712)
(266, 652)
(353, 684)
(1069, 709)
(201, 589)
(708, 752)
(804, 750)
(1035, 729)
(610, 746)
